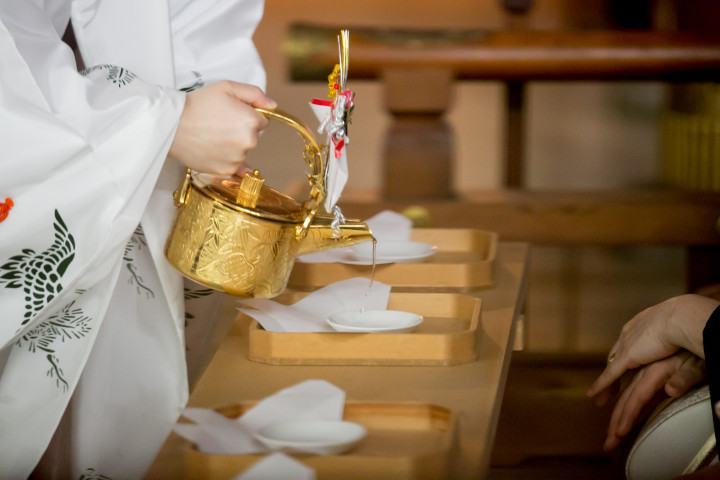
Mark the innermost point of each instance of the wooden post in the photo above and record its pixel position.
(515, 135)
(418, 151)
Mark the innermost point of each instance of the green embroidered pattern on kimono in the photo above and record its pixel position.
(195, 85)
(91, 474)
(118, 75)
(67, 324)
(136, 242)
(39, 275)
(190, 294)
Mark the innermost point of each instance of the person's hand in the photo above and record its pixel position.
(218, 126)
(676, 374)
(657, 333)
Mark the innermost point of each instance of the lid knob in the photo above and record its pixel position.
(249, 191)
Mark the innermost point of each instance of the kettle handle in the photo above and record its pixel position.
(313, 158)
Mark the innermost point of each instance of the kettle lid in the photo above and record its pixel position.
(266, 202)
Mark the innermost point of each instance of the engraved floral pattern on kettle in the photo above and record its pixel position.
(240, 254)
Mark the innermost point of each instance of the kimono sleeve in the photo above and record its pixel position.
(80, 151)
(711, 346)
(212, 40)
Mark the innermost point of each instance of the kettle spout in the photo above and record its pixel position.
(321, 236)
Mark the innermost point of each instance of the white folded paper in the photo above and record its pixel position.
(217, 434)
(337, 168)
(389, 226)
(386, 226)
(277, 466)
(310, 313)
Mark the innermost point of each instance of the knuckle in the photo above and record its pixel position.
(227, 168)
(222, 85)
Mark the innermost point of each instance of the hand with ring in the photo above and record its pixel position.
(676, 374)
(655, 334)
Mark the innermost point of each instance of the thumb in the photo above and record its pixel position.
(690, 373)
(251, 95)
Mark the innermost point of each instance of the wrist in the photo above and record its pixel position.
(689, 320)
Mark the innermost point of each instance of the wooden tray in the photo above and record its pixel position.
(404, 441)
(464, 259)
(449, 335)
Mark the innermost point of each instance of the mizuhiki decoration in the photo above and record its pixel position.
(334, 117)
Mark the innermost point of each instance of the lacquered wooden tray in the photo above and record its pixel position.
(404, 441)
(464, 259)
(449, 335)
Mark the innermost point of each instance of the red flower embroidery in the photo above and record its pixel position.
(5, 208)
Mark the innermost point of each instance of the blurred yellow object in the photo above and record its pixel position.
(419, 215)
(333, 82)
(690, 132)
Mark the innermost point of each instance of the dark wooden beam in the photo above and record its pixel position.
(509, 55)
(638, 217)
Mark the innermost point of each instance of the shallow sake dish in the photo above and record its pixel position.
(321, 437)
(375, 321)
(391, 252)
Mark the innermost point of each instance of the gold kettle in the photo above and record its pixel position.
(239, 236)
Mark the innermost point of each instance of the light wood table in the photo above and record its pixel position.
(473, 391)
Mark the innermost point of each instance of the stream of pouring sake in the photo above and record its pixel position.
(372, 276)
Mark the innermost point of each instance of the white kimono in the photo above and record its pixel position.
(92, 321)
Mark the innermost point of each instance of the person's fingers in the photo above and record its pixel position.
(613, 439)
(251, 95)
(243, 170)
(611, 442)
(218, 128)
(684, 368)
(632, 350)
(616, 367)
(644, 385)
(652, 381)
(640, 343)
(602, 397)
(247, 130)
(611, 393)
(248, 122)
(690, 373)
